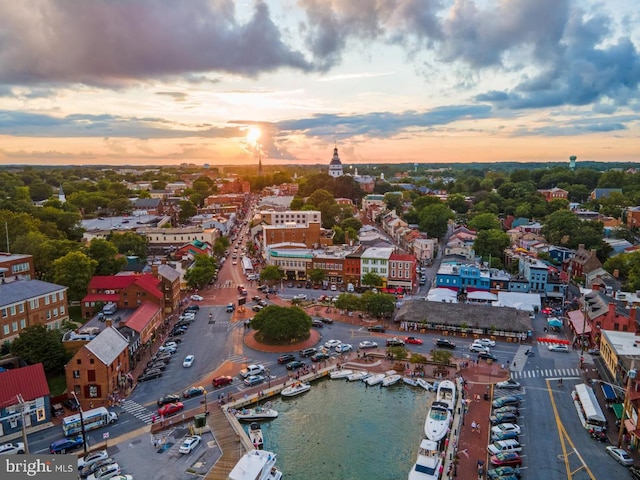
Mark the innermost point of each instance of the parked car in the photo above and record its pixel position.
(445, 343)
(256, 298)
(503, 472)
(376, 328)
(193, 392)
(252, 370)
(189, 444)
(295, 365)
(192, 308)
(487, 356)
(619, 455)
(12, 448)
(413, 340)
(332, 343)
(300, 296)
(188, 361)
(487, 342)
(71, 404)
(508, 384)
(106, 472)
(177, 331)
(93, 467)
(504, 401)
(168, 399)
(506, 427)
(286, 358)
(170, 409)
(317, 323)
(175, 340)
(318, 357)
(157, 366)
(344, 347)
(170, 350)
(503, 418)
(559, 348)
(327, 320)
(477, 348)
(495, 437)
(150, 375)
(307, 352)
(230, 307)
(394, 342)
(253, 380)
(197, 298)
(367, 344)
(506, 409)
(221, 381)
(506, 459)
(66, 445)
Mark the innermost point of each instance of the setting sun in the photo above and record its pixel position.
(253, 134)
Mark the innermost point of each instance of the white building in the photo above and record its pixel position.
(376, 260)
(335, 166)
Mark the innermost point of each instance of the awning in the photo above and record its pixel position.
(609, 394)
(554, 322)
(629, 425)
(579, 326)
(617, 409)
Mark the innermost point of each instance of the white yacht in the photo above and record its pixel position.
(392, 379)
(295, 389)
(357, 375)
(342, 373)
(427, 466)
(258, 413)
(375, 379)
(424, 384)
(439, 418)
(256, 465)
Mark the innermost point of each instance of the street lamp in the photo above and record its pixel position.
(84, 438)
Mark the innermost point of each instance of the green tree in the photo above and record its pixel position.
(201, 272)
(349, 302)
(316, 275)
(187, 210)
(378, 304)
(560, 226)
(106, 254)
(458, 203)
(38, 344)
(281, 325)
(485, 221)
(74, 270)
(120, 206)
(434, 219)
(220, 246)
(39, 191)
(130, 244)
(271, 274)
(491, 244)
(394, 201)
(371, 279)
(351, 222)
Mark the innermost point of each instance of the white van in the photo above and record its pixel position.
(504, 446)
(350, 288)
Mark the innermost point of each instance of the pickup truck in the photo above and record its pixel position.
(252, 370)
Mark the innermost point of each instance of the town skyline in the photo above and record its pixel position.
(226, 83)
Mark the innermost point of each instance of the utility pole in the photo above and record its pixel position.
(84, 437)
(24, 428)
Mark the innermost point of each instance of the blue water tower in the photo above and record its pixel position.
(572, 162)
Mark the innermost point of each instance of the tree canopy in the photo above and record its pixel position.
(281, 325)
(202, 272)
(271, 274)
(371, 279)
(74, 270)
(39, 344)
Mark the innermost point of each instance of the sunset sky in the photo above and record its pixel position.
(163, 82)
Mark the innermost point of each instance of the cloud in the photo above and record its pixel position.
(177, 96)
(115, 43)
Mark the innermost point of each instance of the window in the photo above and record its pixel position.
(46, 299)
(60, 296)
(62, 310)
(79, 361)
(5, 329)
(92, 361)
(4, 313)
(48, 314)
(91, 375)
(14, 326)
(13, 310)
(55, 312)
(76, 374)
(23, 323)
(21, 308)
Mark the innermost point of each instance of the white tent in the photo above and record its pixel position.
(482, 296)
(442, 295)
(521, 301)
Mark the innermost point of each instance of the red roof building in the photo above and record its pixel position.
(145, 321)
(127, 291)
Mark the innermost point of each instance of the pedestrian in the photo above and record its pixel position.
(153, 419)
(514, 364)
(478, 427)
(473, 426)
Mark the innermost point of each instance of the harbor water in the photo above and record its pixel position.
(343, 430)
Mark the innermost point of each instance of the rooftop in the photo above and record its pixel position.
(30, 382)
(378, 252)
(107, 345)
(22, 290)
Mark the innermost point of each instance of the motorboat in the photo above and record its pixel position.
(424, 384)
(427, 466)
(437, 423)
(410, 381)
(259, 413)
(375, 379)
(392, 379)
(357, 375)
(446, 393)
(296, 389)
(439, 418)
(255, 435)
(341, 373)
(256, 465)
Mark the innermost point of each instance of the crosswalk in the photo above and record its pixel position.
(138, 411)
(547, 373)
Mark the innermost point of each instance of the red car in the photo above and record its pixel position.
(506, 459)
(221, 381)
(547, 311)
(170, 409)
(414, 340)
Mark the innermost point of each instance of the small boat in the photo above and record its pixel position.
(439, 418)
(374, 379)
(389, 380)
(427, 466)
(446, 393)
(255, 435)
(410, 381)
(256, 465)
(342, 373)
(295, 389)
(259, 413)
(424, 384)
(357, 375)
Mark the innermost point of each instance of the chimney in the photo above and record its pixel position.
(581, 246)
(154, 269)
(108, 323)
(616, 273)
(593, 252)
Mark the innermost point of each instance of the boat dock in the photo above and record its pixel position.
(231, 438)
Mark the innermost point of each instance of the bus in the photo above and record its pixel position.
(94, 418)
(588, 408)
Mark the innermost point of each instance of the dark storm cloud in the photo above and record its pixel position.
(111, 43)
(382, 123)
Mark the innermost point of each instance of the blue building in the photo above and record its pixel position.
(468, 277)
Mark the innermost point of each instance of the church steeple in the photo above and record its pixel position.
(335, 166)
(62, 198)
(260, 173)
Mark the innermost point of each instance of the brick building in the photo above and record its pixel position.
(402, 271)
(127, 291)
(25, 303)
(352, 267)
(554, 193)
(99, 369)
(16, 266)
(169, 285)
(583, 262)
